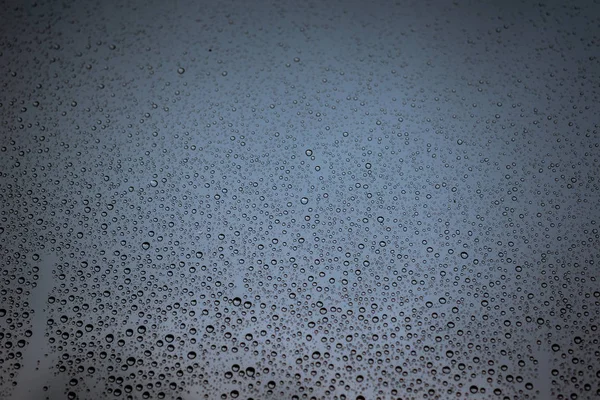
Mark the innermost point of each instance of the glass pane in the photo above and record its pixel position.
(299, 200)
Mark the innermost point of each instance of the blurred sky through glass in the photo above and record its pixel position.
(299, 200)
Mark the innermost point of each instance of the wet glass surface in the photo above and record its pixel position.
(299, 200)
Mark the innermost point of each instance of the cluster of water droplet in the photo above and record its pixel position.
(360, 222)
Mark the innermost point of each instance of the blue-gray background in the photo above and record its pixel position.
(300, 200)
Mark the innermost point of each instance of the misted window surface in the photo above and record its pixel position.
(299, 200)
